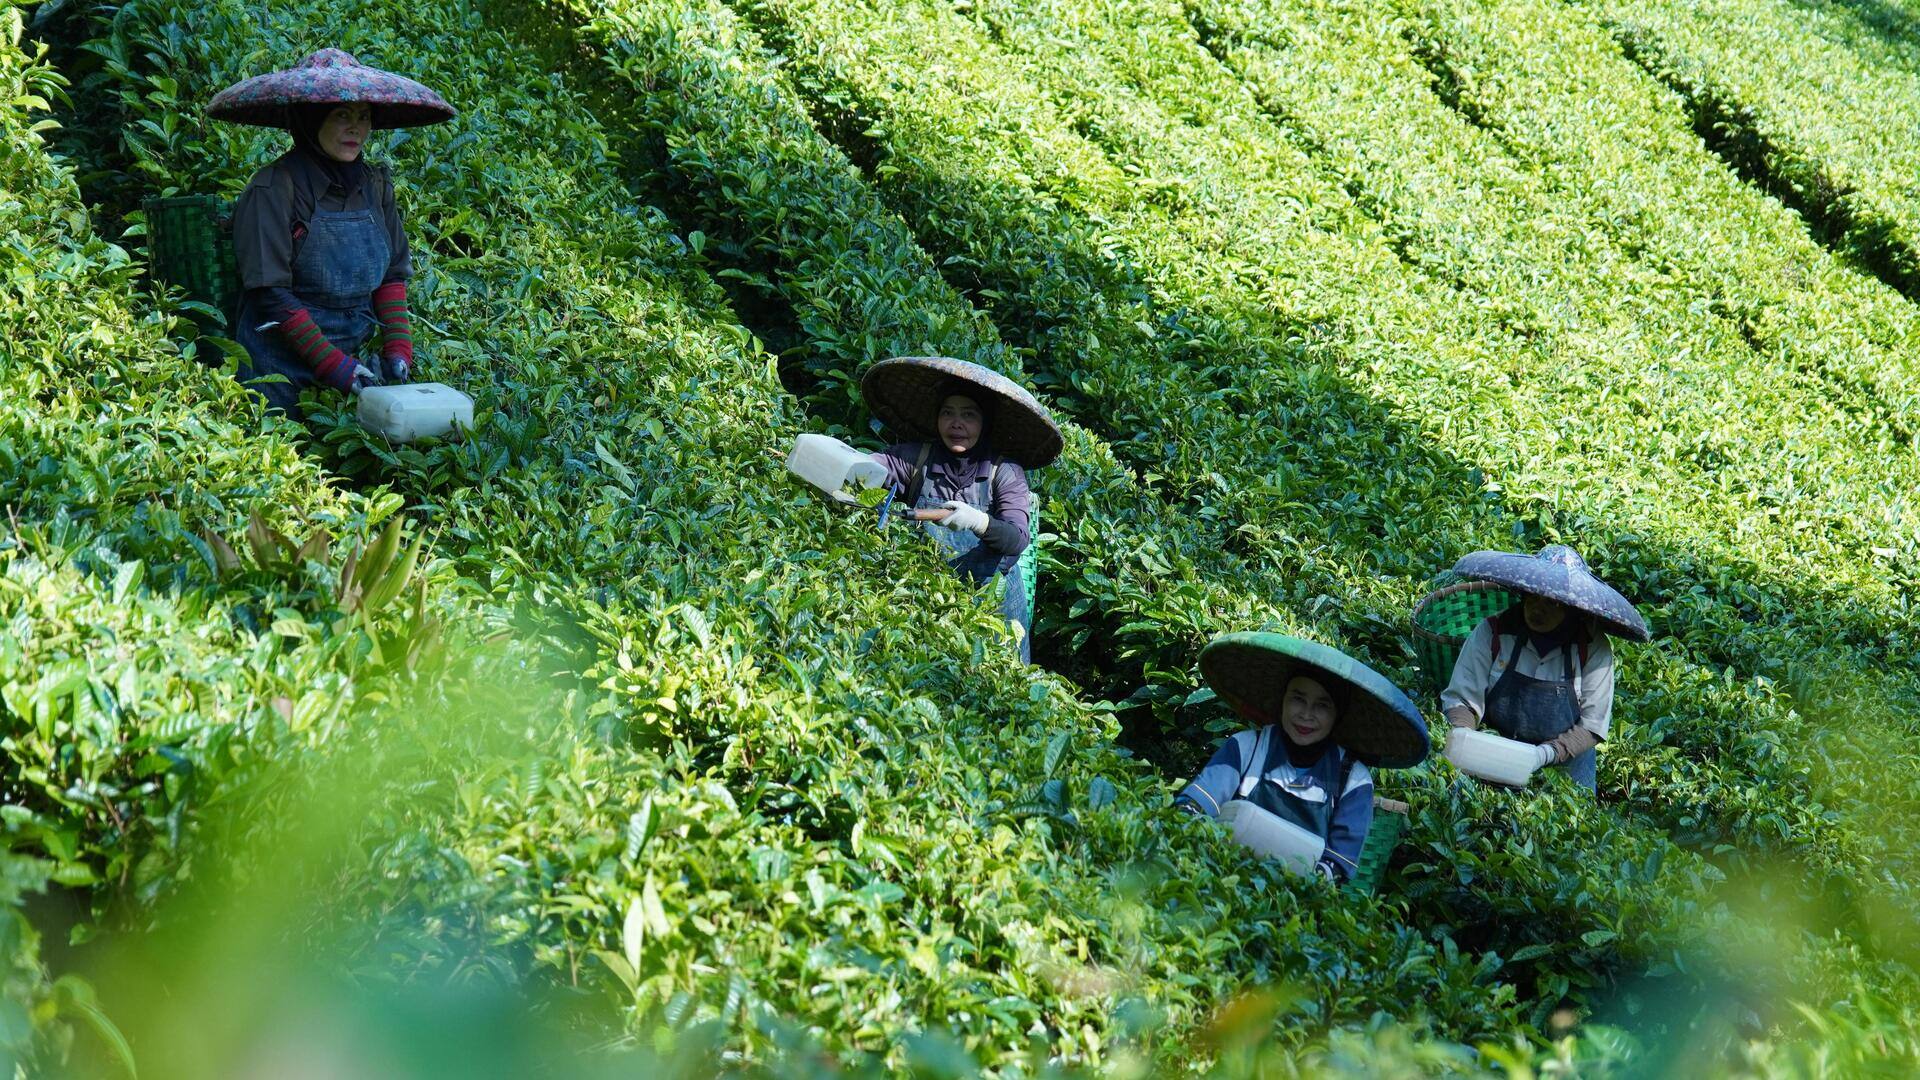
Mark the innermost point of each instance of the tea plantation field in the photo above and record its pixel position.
(595, 743)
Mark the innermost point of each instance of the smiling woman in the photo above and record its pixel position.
(972, 434)
(318, 239)
(1322, 718)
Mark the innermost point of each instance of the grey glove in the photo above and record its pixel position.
(397, 369)
(966, 517)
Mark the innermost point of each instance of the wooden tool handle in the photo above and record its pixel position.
(928, 515)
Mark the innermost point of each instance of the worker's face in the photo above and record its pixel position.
(344, 132)
(1543, 615)
(960, 423)
(1307, 711)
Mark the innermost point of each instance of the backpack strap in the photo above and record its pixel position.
(918, 476)
(1575, 673)
(993, 475)
(1262, 750)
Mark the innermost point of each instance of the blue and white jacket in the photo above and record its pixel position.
(1336, 777)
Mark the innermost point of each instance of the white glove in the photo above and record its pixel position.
(966, 517)
(1545, 750)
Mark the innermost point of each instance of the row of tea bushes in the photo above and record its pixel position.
(1549, 83)
(701, 154)
(1830, 143)
(959, 826)
(851, 42)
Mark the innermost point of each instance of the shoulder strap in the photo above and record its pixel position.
(915, 477)
(1260, 743)
(380, 186)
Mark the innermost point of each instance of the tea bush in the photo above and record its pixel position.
(725, 764)
(677, 554)
(1827, 146)
(960, 213)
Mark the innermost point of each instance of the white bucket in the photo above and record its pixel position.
(1489, 757)
(832, 466)
(1265, 833)
(412, 411)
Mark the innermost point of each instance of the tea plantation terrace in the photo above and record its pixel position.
(592, 734)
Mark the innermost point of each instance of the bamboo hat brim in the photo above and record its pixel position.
(904, 394)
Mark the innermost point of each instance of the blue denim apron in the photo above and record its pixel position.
(1290, 796)
(1535, 710)
(977, 563)
(341, 261)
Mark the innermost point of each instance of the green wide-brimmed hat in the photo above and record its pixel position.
(904, 394)
(1378, 724)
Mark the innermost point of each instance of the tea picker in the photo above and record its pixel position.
(1538, 670)
(317, 244)
(1297, 787)
(969, 435)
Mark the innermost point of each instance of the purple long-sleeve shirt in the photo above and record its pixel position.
(951, 477)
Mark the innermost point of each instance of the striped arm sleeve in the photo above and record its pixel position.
(303, 336)
(396, 322)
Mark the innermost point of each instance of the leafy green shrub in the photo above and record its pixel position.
(773, 783)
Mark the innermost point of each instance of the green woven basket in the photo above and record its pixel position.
(1443, 620)
(192, 249)
(1383, 836)
(1029, 564)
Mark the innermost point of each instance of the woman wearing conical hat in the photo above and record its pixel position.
(1541, 672)
(1321, 719)
(968, 436)
(319, 243)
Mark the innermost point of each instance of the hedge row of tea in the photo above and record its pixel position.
(596, 507)
(1831, 141)
(1584, 931)
(749, 773)
(970, 226)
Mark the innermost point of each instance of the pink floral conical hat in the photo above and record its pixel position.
(329, 77)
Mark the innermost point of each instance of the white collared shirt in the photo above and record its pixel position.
(1475, 673)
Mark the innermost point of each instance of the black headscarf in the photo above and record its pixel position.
(983, 398)
(1572, 630)
(305, 122)
(1305, 756)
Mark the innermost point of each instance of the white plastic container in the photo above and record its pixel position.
(1489, 757)
(832, 466)
(1261, 831)
(412, 411)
